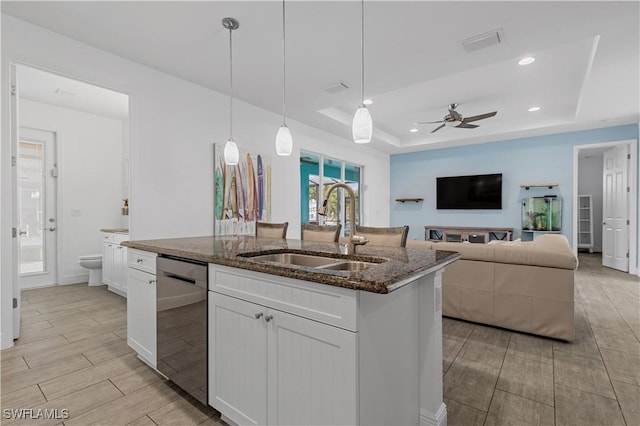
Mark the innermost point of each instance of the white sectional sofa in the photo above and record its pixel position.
(523, 286)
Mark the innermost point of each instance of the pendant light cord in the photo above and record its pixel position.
(284, 64)
(231, 81)
(362, 51)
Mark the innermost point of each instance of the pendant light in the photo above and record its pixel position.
(284, 142)
(231, 154)
(362, 127)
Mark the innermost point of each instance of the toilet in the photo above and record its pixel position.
(93, 263)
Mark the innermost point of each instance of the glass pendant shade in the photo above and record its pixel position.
(284, 142)
(231, 154)
(362, 127)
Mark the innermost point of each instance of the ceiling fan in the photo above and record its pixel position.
(455, 119)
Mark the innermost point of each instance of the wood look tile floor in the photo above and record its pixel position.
(72, 354)
(498, 377)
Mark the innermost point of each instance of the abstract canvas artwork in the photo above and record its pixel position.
(242, 193)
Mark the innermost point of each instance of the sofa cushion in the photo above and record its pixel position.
(536, 255)
(549, 250)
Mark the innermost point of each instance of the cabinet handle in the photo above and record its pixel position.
(139, 260)
(268, 318)
(119, 247)
(152, 282)
(258, 315)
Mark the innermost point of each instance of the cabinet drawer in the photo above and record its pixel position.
(142, 260)
(324, 303)
(111, 237)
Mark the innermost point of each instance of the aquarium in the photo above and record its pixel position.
(542, 213)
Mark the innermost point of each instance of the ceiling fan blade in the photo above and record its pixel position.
(428, 122)
(437, 128)
(464, 125)
(479, 117)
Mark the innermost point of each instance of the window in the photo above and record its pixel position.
(317, 174)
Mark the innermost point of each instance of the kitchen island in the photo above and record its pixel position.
(299, 333)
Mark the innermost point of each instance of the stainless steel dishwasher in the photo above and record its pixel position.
(181, 304)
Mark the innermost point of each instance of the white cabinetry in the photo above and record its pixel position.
(114, 262)
(585, 222)
(293, 370)
(286, 351)
(141, 304)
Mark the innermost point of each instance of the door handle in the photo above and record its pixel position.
(53, 228)
(23, 232)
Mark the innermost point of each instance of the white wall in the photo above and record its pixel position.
(173, 126)
(90, 184)
(590, 183)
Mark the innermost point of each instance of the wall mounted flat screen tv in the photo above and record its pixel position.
(482, 192)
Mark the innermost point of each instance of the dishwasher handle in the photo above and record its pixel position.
(179, 278)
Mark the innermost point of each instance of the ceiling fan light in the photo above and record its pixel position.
(231, 154)
(284, 141)
(362, 127)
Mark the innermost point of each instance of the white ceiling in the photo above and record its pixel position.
(586, 73)
(54, 89)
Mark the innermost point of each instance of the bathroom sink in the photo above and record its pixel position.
(312, 261)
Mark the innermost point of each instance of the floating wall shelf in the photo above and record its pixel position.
(405, 200)
(538, 185)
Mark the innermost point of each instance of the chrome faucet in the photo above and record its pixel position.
(354, 240)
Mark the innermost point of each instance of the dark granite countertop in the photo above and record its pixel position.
(398, 267)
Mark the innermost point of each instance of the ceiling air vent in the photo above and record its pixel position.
(483, 40)
(338, 87)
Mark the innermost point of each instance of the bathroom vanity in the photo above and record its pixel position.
(114, 259)
(299, 333)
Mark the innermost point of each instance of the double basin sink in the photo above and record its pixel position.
(315, 261)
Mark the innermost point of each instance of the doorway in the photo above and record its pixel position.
(37, 215)
(605, 202)
(70, 142)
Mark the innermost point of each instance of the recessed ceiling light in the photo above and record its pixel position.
(413, 130)
(526, 61)
(534, 109)
(367, 102)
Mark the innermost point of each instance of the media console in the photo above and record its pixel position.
(470, 234)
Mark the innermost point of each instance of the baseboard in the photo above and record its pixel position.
(434, 419)
(227, 420)
(117, 291)
(74, 279)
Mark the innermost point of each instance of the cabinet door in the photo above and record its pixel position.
(107, 263)
(119, 279)
(141, 314)
(238, 359)
(312, 372)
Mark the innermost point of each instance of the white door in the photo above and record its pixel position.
(37, 223)
(238, 359)
(615, 228)
(312, 372)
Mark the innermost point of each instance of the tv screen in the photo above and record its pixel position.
(469, 192)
